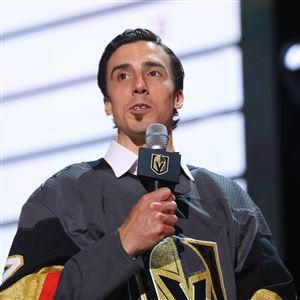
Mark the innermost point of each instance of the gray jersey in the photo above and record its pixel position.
(222, 248)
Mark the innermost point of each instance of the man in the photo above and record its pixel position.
(92, 231)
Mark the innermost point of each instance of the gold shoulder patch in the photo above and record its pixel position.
(29, 287)
(265, 294)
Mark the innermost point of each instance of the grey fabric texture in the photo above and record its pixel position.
(91, 204)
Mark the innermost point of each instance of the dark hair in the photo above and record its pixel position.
(135, 35)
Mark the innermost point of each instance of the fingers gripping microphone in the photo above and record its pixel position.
(156, 166)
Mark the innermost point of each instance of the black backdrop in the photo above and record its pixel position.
(272, 120)
(287, 25)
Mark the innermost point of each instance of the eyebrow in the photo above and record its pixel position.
(154, 64)
(119, 67)
(147, 64)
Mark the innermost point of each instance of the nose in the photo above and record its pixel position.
(140, 86)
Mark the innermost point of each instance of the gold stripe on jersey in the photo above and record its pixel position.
(29, 287)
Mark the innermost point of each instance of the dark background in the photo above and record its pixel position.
(272, 120)
(287, 17)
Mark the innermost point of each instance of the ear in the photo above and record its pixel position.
(178, 100)
(107, 106)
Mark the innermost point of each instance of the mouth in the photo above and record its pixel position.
(139, 108)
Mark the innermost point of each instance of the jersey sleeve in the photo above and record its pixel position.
(35, 261)
(52, 255)
(260, 272)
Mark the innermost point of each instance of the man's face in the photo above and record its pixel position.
(140, 88)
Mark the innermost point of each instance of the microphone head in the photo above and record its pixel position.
(157, 136)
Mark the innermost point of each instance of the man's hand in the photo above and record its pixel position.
(151, 219)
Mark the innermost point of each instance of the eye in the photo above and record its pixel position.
(122, 76)
(154, 74)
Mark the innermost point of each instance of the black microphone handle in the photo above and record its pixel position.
(153, 185)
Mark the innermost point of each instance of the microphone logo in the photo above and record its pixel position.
(159, 163)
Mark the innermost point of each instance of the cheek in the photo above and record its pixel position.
(116, 109)
(169, 85)
(163, 90)
(114, 88)
(112, 91)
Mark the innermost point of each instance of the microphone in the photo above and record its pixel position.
(157, 136)
(156, 166)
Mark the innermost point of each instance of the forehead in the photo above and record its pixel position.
(139, 52)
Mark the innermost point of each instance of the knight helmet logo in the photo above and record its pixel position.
(159, 164)
(184, 268)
